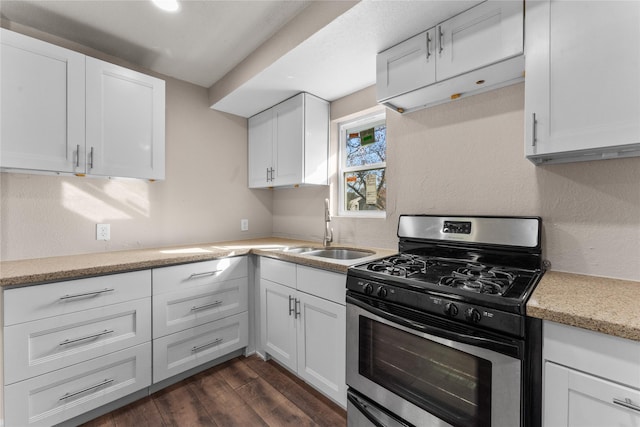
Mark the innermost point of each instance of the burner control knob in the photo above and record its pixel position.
(368, 289)
(451, 309)
(473, 315)
(382, 292)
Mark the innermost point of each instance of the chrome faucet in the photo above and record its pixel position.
(328, 231)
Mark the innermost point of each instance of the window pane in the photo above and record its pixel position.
(365, 190)
(366, 146)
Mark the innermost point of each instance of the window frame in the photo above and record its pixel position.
(359, 122)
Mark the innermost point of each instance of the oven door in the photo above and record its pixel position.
(430, 371)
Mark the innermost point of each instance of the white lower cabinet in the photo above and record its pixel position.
(590, 379)
(179, 352)
(200, 313)
(305, 332)
(48, 344)
(66, 393)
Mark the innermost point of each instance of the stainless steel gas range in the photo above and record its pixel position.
(437, 335)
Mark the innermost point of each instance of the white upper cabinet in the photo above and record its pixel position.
(42, 115)
(478, 50)
(406, 66)
(483, 35)
(260, 149)
(125, 122)
(582, 90)
(289, 143)
(65, 112)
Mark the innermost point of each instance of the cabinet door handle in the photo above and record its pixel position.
(297, 306)
(88, 337)
(84, 390)
(91, 158)
(428, 46)
(86, 294)
(272, 173)
(203, 346)
(440, 39)
(534, 130)
(291, 309)
(78, 155)
(627, 403)
(205, 273)
(267, 174)
(202, 307)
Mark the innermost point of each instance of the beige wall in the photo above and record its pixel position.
(466, 157)
(202, 199)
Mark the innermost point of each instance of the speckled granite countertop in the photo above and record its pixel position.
(600, 304)
(43, 270)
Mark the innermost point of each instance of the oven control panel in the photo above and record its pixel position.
(457, 227)
(441, 305)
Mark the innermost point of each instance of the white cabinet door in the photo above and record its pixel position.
(582, 91)
(63, 394)
(278, 322)
(260, 149)
(42, 105)
(289, 139)
(406, 66)
(322, 345)
(37, 347)
(184, 350)
(483, 35)
(125, 132)
(576, 399)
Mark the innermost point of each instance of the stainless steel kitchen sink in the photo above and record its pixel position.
(340, 253)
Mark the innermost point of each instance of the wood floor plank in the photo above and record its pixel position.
(238, 374)
(242, 392)
(272, 406)
(322, 410)
(221, 401)
(141, 413)
(179, 407)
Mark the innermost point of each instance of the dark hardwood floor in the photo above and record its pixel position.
(243, 392)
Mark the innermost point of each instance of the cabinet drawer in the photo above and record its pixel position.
(325, 284)
(35, 348)
(66, 393)
(278, 271)
(176, 311)
(168, 279)
(55, 299)
(184, 350)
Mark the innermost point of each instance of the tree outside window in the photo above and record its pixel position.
(363, 188)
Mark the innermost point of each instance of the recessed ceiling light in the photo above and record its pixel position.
(167, 5)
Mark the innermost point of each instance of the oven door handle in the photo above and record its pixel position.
(377, 417)
(486, 343)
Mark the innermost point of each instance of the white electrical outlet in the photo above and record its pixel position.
(103, 231)
(244, 225)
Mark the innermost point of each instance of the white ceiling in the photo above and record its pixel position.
(206, 39)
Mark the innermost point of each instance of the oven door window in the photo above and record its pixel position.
(451, 384)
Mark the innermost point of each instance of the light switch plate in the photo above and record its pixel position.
(244, 225)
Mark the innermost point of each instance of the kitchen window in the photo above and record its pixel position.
(363, 152)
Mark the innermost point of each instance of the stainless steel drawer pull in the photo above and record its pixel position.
(87, 294)
(91, 159)
(534, 130)
(627, 403)
(203, 346)
(78, 155)
(202, 307)
(69, 395)
(206, 273)
(297, 313)
(88, 337)
(291, 309)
